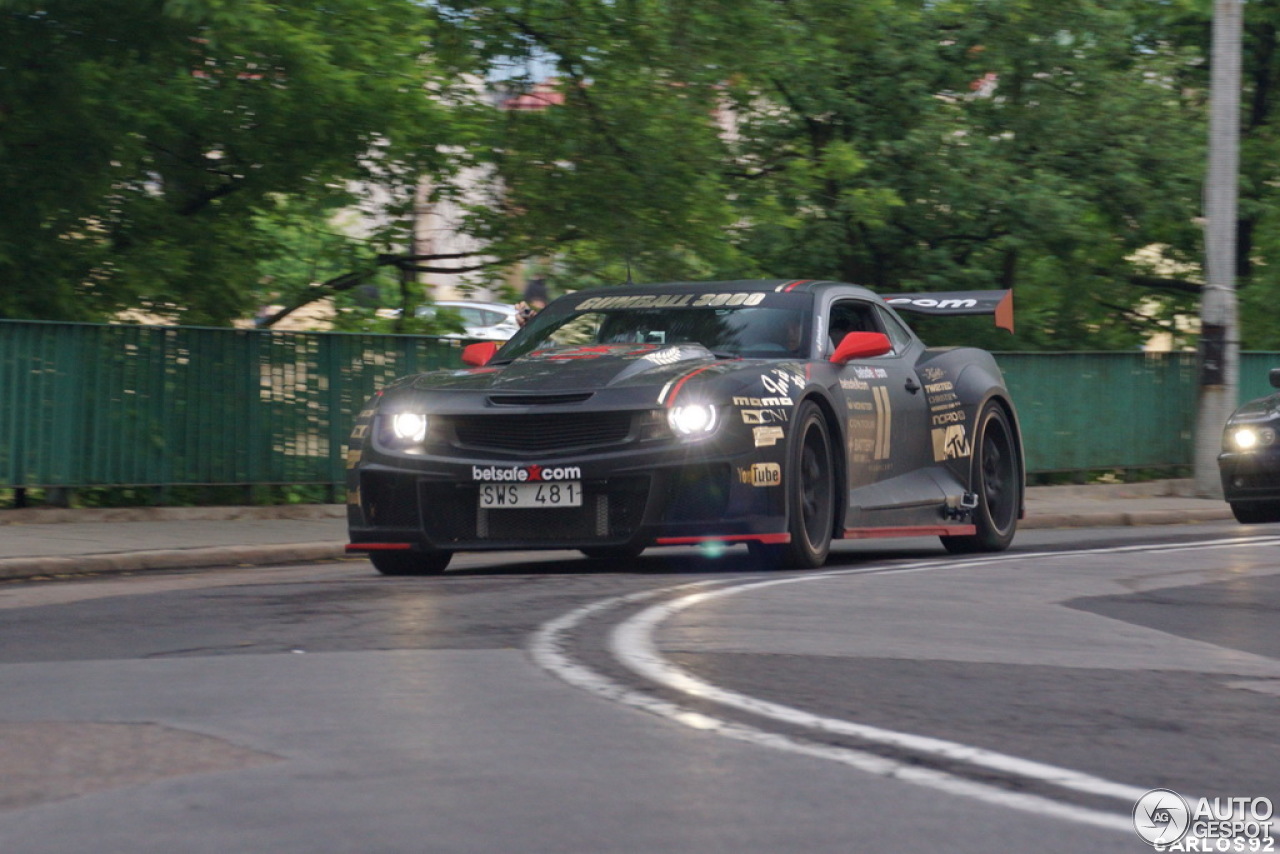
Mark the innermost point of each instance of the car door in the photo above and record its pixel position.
(886, 439)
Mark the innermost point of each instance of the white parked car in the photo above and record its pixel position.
(484, 321)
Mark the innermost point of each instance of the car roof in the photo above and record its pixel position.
(751, 285)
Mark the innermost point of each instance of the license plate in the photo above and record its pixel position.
(521, 496)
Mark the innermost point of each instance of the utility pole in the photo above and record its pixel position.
(1219, 339)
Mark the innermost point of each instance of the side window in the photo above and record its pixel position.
(849, 316)
(897, 332)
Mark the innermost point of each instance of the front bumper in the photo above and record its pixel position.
(1251, 476)
(654, 497)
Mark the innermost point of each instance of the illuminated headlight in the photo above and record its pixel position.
(695, 419)
(409, 427)
(1249, 438)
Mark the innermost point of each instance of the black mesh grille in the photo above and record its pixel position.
(611, 510)
(534, 434)
(388, 500)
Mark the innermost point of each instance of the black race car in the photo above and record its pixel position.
(1250, 460)
(779, 414)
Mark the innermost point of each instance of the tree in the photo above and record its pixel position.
(905, 145)
(139, 140)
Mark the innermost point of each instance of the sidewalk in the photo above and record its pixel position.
(48, 542)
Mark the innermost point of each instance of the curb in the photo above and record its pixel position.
(231, 513)
(162, 559)
(274, 554)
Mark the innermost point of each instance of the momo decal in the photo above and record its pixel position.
(523, 474)
(762, 401)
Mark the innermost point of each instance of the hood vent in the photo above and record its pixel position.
(538, 399)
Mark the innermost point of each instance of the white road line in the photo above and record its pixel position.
(632, 644)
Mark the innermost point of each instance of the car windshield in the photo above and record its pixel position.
(750, 332)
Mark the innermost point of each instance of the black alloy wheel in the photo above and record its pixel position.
(809, 481)
(997, 480)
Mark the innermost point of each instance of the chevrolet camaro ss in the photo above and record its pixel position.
(777, 414)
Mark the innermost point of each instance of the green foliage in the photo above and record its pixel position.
(967, 144)
(139, 138)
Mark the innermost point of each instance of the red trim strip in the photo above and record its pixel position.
(911, 531)
(675, 390)
(735, 538)
(789, 288)
(378, 547)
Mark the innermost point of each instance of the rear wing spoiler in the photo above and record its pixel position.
(999, 303)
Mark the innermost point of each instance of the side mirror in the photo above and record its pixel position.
(478, 354)
(1274, 377)
(861, 345)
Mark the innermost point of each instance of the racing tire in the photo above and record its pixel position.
(410, 563)
(612, 552)
(997, 480)
(810, 485)
(1256, 512)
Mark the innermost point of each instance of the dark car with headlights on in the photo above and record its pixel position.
(776, 414)
(1250, 460)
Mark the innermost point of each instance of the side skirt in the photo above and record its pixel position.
(910, 531)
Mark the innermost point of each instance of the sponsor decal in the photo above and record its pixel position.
(712, 300)
(926, 302)
(862, 406)
(767, 437)
(932, 375)
(762, 474)
(780, 381)
(764, 416)
(952, 417)
(353, 457)
(525, 474)
(762, 401)
(360, 431)
(951, 443)
(850, 384)
(594, 351)
(864, 373)
(938, 388)
(884, 422)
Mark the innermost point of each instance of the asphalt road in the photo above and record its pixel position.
(900, 700)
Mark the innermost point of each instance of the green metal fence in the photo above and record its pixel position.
(96, 405)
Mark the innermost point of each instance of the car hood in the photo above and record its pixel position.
(1262, 407)
(578, 368)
